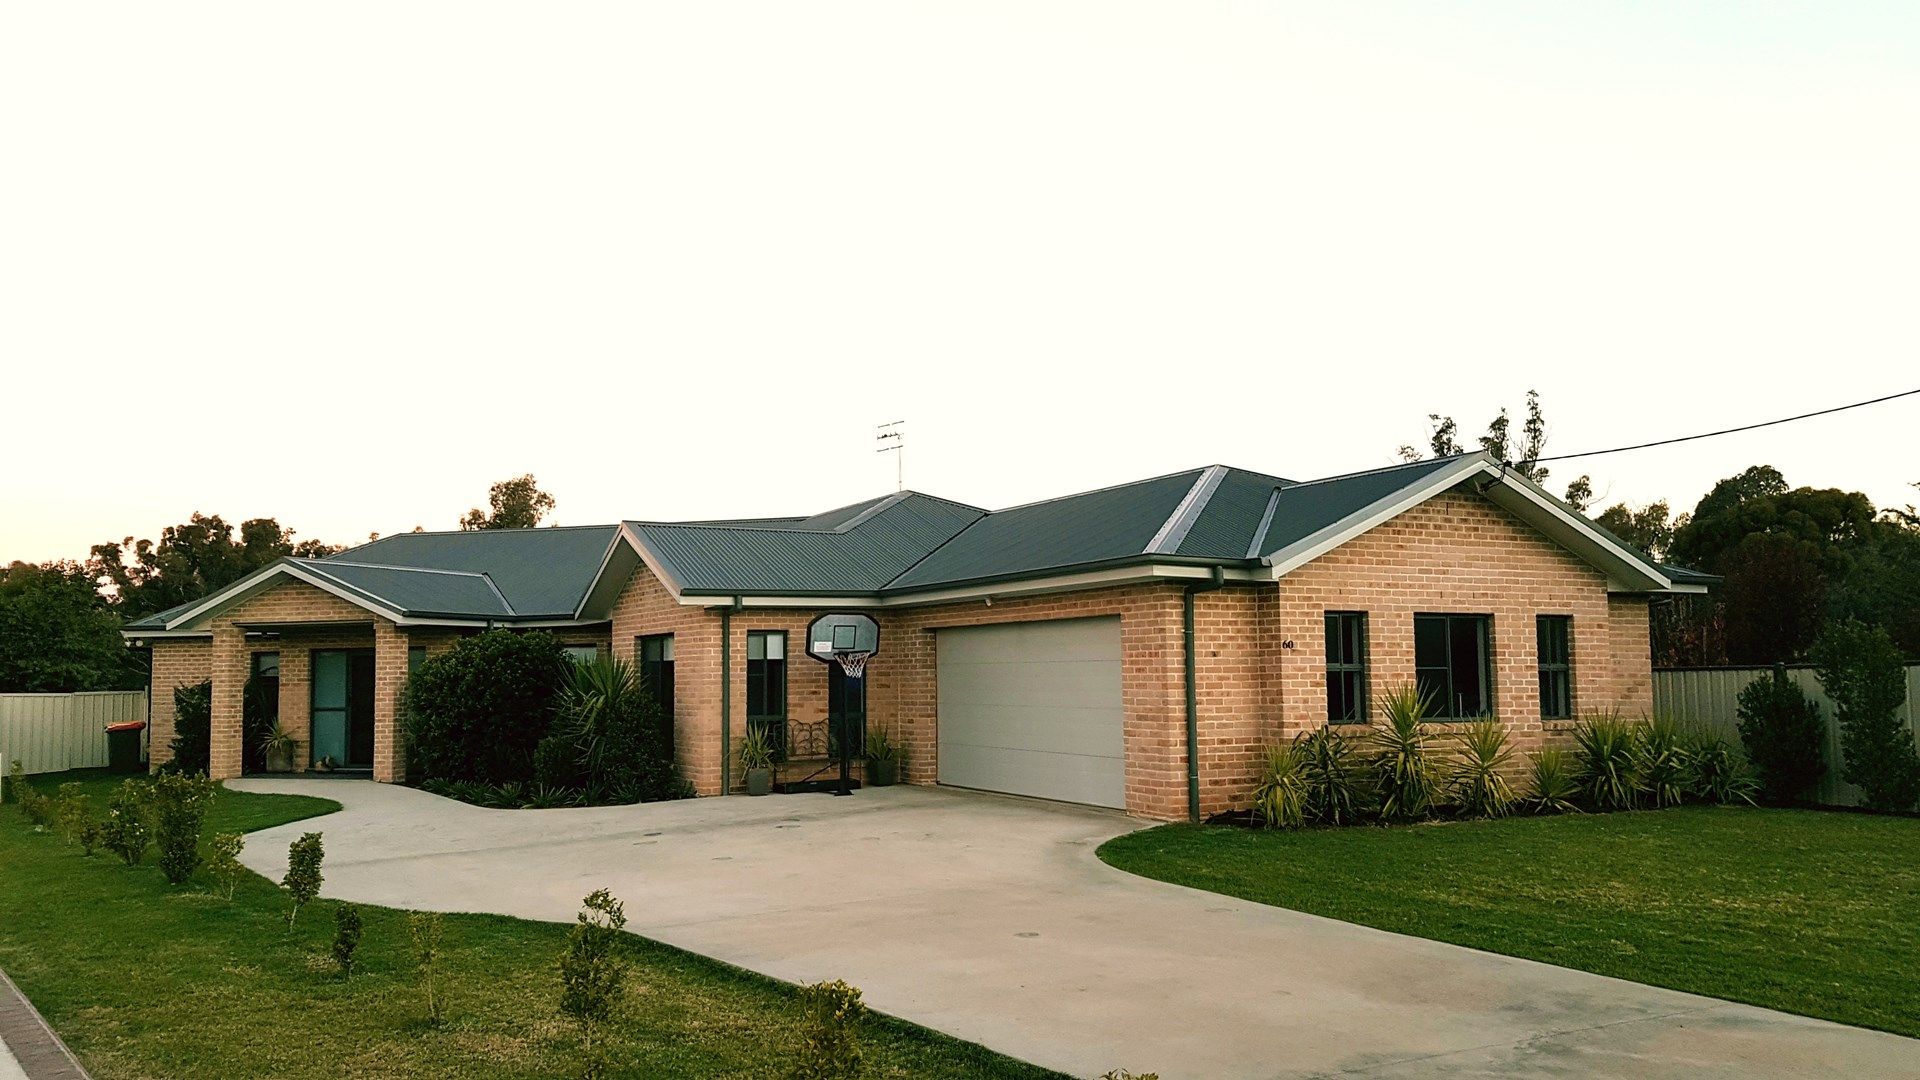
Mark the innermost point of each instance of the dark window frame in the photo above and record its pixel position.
(766, 703)
(1446, 705)
(1555, 659)
(656, 672)
(1347, 676)
(573, 647)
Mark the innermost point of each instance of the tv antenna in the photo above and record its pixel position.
(893, 440)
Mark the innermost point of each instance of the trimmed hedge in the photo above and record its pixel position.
(477, 712)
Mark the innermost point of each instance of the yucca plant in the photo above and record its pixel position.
(1477, 779)
(1663, 761)
(1717, 773)
(1280, 799)
(1338, 792)
(1403, 765)
(1556, 784)
(1609, 759)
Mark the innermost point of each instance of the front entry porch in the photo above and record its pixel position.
(338, 689)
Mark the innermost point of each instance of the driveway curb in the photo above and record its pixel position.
(33, 1043)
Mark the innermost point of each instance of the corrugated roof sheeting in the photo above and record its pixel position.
(861, 559)
(1096, 526)
(541, 572)
(418, 591)
(1304, 509)
(1225, 526)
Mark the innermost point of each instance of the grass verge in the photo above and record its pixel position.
(145, 980)
(1805, 911)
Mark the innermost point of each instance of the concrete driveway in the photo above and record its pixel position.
(989, 918)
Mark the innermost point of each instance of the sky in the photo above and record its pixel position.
(345, 265)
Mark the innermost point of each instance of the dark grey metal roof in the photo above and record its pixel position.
(852, 550)
(418, 591)
(1227, 524)
(1091, 528)
(1305, 509)
(158, 620)
(540, 573)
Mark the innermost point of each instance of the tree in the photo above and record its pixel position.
(1784, 736)
(58, 634)
(1865, 675)
(191, 560)
(592, 972)
(1646, 528)
(517, 504)
(303, 879)
(1774, 596)
(1524, 456)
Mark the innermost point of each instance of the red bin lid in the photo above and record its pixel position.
(127, 725)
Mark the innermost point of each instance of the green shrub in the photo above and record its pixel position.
(1555, 784)
(1477, 779)
(124, 832)
(1864, 674)
(38, 808)
(1280, 798)
(303, 877)
(1717, 774)
(478, 711)
(192, 728)
(1404, 769)
(14, 783)
(609, 739)
(592, 973)
(830, 1049)
(1785, 736)
(1336, 779)
(223, 861)
(1662, 761)
(347, 928)
(424, 928)
(179, 803)
(1608, 760)
(72, 811)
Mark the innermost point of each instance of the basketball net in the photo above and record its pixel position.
(853, 663)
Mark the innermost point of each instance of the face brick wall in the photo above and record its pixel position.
(1459, 553)
(177, 662)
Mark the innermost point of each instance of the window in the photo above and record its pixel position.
(656, 668)
(1555, 636)
(1346, 667)
(767, 685)
(416, 655)
(1450, 662)
(266, 665)
(262, 704)
(581, 654)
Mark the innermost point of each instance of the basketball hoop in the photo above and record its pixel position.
(854, 664)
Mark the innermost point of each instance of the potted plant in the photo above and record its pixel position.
(756, 758)
(883, 759)
(279, 747)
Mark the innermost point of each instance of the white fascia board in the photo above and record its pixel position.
(265, 577)
(656, 568)
(1314, 545)
(1626, 571)
(621, 536)
(502, 622)
(137, 636)
(1095, 579)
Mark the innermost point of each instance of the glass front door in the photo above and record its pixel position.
(343, 707)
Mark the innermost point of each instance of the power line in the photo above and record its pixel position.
(1728, 431)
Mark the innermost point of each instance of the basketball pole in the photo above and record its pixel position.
(846, 742)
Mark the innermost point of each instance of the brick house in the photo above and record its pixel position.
(1131, 647)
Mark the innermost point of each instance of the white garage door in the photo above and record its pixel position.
(1034, 709)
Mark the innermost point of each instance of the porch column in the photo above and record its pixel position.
(389, 679)
(229, 671)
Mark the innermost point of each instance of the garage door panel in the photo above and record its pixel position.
(1034, 709)
(1077, 684)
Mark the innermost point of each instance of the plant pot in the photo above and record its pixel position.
(883, 773)
(759, 781)
(280, 758)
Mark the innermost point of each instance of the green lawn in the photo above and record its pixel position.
(146, 980)
(1799, 910)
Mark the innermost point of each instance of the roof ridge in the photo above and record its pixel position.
(1386, 468)
(389, 566)
(1173, 532)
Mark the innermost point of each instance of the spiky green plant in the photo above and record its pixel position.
(1555, 784)
(1609, 761)
(1663, 761)
(1717, 772)
(1404, 768)
(1477, 779)
(1280, 798)
(1338, 787)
